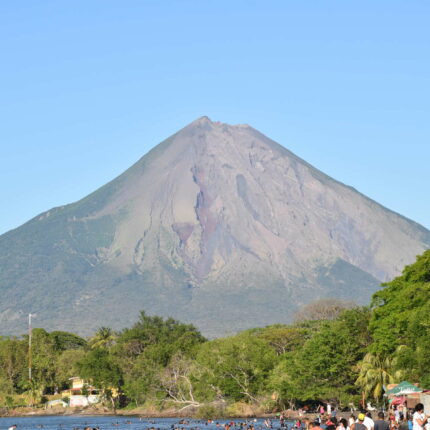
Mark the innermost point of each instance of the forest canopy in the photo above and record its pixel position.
(347, 351)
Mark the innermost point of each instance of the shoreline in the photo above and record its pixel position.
(147, 414)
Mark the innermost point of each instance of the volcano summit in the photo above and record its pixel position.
(217, 226)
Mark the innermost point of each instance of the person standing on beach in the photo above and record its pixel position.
(343, 424)
(380, 423)
(418, 419)
(315, 426)
(368, 422)
(404, 425)
(358, 425)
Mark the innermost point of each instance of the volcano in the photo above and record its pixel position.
(218, 226)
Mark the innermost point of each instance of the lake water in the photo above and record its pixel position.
(74, 422)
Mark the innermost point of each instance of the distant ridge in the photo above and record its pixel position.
(218, 226)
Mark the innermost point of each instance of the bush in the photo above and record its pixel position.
(207, 412)
(9, 401)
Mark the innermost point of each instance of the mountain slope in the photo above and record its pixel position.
(218, 225)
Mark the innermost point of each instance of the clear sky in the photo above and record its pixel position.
(88, 87)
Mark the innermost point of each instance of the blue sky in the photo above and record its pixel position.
(88, 87)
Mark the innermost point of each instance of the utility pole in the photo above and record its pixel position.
(29, 347)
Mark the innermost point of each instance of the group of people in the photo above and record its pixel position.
(400, 420)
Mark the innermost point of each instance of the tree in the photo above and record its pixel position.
(400, 323)
(322, 309)
(375, 374)
(147, 348)
(64, 340)
(157, 339)
(325, 367)
(13, 364)
(104, 338)
(34, 393)
(284, 338)
(67, 366)
(237, 367)
(396, 308)
(43, 361)
(142, 380)
(178, 381)
(99, 367)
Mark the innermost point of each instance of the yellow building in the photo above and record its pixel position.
(81, 387)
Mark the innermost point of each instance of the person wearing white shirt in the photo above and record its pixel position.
(419, 419)
(368, 422)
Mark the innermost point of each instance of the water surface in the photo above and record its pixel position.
(75, 422)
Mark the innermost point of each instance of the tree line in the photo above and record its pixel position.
(334, 352)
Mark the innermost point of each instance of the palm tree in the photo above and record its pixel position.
(34, 392)
(103, 338)
(375, 373)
